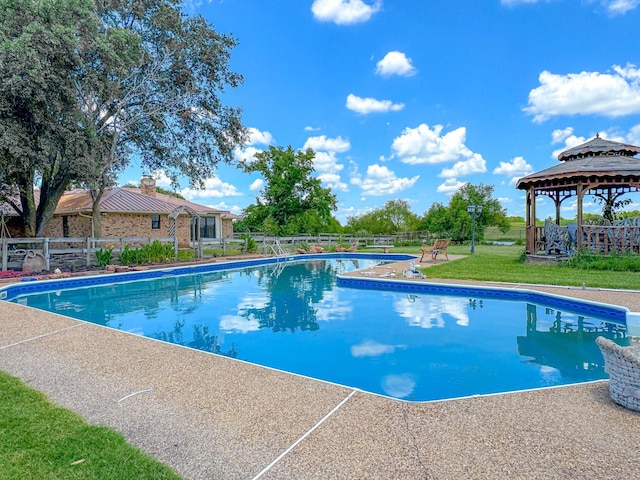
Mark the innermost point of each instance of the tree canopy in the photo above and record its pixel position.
(85, 85)
(395, 216)
(455, 222)
(292, 199)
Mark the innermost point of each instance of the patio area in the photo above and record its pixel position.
(209, 416)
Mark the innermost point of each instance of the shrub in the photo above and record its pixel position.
(252, 245)
(104, 257)
(587, 260)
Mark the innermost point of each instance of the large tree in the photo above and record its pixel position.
(292, 200)
(43, 138)
(136, 78)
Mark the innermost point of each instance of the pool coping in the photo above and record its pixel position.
(208, 426)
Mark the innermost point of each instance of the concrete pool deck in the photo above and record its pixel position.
(212, 417)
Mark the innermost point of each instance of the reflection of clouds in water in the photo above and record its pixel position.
(550, 375)
(398, 386)
(426, 311)
(332, 308)
(245, 322)
(255, 300)
(235, 323)
(369, 348)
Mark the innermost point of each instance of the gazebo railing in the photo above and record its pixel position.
(555, 239)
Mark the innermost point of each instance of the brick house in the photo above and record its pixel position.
(133, 212)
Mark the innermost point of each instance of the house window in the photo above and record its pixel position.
(208, 227)
(65, 226)
(155, 222)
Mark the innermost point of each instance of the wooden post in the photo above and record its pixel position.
(579, 233)
(5, 248)
(45, 252)
(88, 245)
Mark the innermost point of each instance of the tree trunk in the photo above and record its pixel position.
(96, 196)
(51, 191)
(28, 204)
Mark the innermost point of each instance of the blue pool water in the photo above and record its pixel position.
(399, 341)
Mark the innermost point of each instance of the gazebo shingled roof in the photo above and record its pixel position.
(597, 157)
(598, 167)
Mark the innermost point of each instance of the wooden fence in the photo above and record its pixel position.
(79, 252)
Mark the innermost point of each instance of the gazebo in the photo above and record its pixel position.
(599, 167)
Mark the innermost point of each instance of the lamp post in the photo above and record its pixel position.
(474, 211)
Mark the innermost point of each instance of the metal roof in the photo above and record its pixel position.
(122, 200)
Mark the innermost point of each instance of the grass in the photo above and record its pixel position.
(39, 440)
(504, 264)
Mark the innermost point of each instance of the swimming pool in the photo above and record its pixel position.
(404, 340)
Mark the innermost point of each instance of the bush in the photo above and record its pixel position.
(155, 252)
(252, 245)
(104, 257)
(587, 260)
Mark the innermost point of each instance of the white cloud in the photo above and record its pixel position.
(213, 188)
(515, 169)
(395, 63)
(380, 180)
(161, 178)
(256, 137)
(450, 186)
(309, 128)
(344, 12)
(475, 164)
(560, 135)
(620, 7)
(256, 185)
(333, 181)
(323, 143)
(246, 154)
(371, 105)
(570, 140)
(423, 145)
(586, 93)
(612, 7)
(237, 209)
(328, 168)
(326, 162)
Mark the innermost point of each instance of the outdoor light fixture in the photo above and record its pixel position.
(474, 211)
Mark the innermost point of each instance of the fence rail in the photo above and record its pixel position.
(81, 251)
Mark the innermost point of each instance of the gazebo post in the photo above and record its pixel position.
(531, 221)
(580, 195)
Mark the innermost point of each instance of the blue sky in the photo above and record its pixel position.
(410, 99)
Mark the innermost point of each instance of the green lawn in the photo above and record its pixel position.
(39, 440)
(503, 264)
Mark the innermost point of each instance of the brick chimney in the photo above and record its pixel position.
(148, 186)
